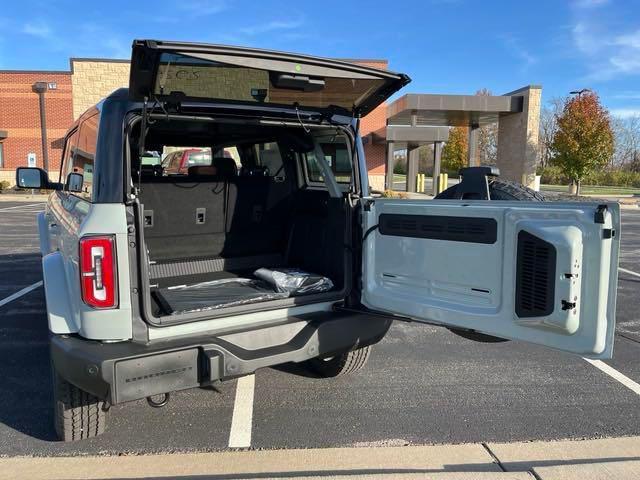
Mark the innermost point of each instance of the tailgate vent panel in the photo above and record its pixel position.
(535, 276)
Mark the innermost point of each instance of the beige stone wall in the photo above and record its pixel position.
(7, 175)
(376, 182)
(94, 80)
(518, 139)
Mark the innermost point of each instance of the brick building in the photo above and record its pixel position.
(20, 118)
(87, 81)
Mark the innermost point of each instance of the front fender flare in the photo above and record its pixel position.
(43, 231)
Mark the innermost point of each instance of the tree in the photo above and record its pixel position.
(626, 134)
(548, 128)
(487, 138)
(584, 139)
(454, 153)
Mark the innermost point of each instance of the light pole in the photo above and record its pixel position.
(40, 88)
(579, 92)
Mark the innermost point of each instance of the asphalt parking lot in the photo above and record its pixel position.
(422, 384)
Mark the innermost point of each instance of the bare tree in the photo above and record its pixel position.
(626, 132)
(548, 128)
(487, 138)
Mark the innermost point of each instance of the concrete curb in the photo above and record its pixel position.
(587, 459)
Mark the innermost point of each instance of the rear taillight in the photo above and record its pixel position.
(98, 275)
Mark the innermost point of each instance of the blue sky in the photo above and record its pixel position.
(446, 46)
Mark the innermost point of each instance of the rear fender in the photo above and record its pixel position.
(59, 311)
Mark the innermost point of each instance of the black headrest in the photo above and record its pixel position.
(202, 170)
(151, 170)
(225, 167)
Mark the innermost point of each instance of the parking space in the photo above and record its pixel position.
(422, 384)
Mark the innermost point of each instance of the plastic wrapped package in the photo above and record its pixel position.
(294, 281)
(227, 292)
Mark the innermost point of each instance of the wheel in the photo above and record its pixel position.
(340, 364)
(498, 190)
(501, 190)
(77, 414)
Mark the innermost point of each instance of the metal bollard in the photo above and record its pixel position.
(443, 181)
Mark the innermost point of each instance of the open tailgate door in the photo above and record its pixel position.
(216, 73)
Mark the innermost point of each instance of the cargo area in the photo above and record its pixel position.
(242, 198)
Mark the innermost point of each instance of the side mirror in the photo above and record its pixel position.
(74, 182)
(32, 177)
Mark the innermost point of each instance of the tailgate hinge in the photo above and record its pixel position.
(599, 215)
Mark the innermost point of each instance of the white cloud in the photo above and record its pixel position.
(608, 55)
(625, 112)
(271, 26)
(515, 48)
(202, 7)
(627, 96)
(630, 40)
(37, 29)
(589, 3)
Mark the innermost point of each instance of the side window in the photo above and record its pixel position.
(174, 164)
(83, 159)
(199, 157)
(70, 145)
(268, 156)
(336, 154)
(229, 152)
(166, 161)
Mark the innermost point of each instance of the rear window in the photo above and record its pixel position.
(268, 156)
(233, 81)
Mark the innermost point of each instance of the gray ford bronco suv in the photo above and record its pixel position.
(270, 247)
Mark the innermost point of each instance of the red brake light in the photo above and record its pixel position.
(98, 275)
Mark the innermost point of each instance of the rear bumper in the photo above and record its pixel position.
(121, 372)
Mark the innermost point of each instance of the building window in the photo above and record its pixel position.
(1, 155)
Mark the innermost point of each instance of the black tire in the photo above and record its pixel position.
(501, 190)
(77, 414)
(340, 364)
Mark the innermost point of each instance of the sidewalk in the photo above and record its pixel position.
(615, 458)
(23, 197)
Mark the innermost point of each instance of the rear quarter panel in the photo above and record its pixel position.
(77, 218)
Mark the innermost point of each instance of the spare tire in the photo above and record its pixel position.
(499, 190)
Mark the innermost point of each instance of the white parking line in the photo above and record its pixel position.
(613, 373)
(242, 420)
(20, 293)
(21, 206)
(629, 272)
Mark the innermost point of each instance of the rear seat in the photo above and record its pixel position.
(212, 212)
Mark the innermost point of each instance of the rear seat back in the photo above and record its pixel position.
(201, 216)
(257, 215)
(184, 216)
